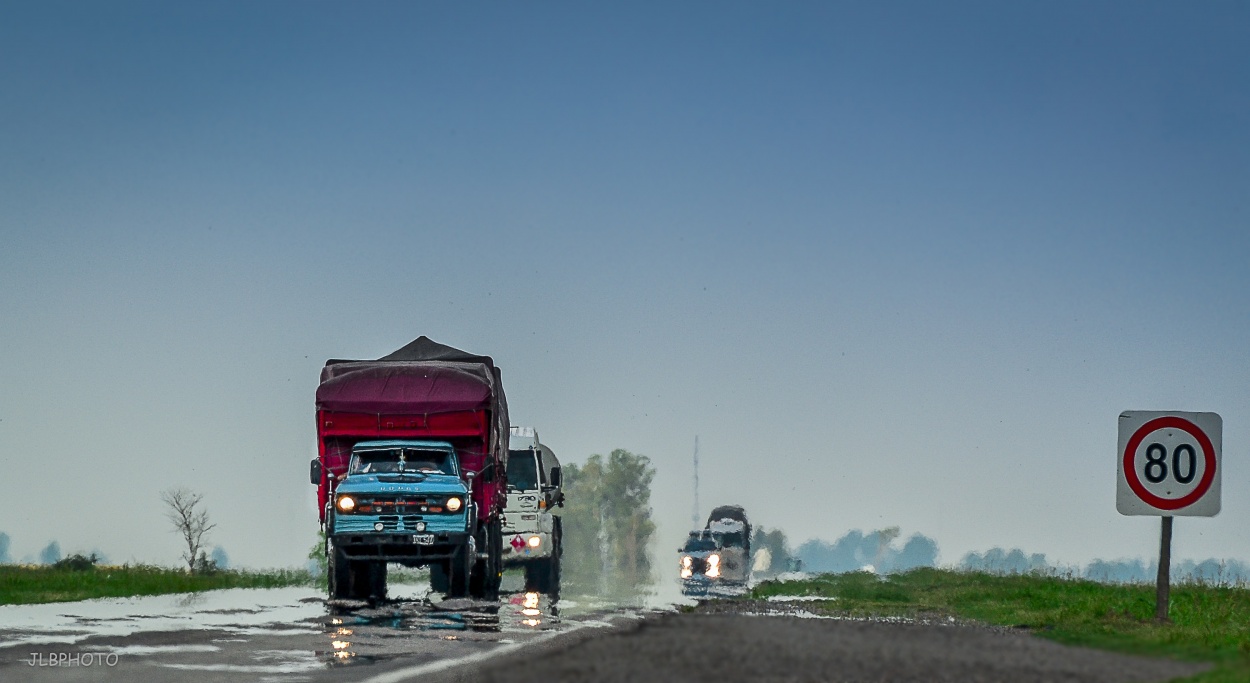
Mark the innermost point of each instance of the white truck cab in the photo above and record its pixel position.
(531, 529)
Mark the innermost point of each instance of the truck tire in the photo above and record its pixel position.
(439, 582)
(459, 568)
(361, 583)
(496, 549)
(557, 555)
(536, 574)
(557, 550)
(477, 579)
(338, 573)
(377, 581)
(488, 571)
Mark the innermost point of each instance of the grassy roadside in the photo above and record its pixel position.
(1208, 623)
(30, 585)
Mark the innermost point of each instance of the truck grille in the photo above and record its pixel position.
(398, 505)
(392, 522)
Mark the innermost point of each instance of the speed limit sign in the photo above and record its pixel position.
(1169, 464)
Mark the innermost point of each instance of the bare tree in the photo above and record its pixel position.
(189, 519)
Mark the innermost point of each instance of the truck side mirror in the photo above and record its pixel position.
(555, 476)
(488, 473)
(314, 472)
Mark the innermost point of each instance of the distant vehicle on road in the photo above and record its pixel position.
(410, 469)
(718, 555)
(532, 532)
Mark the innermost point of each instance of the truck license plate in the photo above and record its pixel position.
(423, 539)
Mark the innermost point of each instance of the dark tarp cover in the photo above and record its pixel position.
(422, 377)
(423, 348)
(399, 387)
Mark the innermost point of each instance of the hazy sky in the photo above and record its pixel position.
(893, 263)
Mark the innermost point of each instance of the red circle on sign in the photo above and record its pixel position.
(1208, 455)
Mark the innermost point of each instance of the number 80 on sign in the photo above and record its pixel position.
(1169, 463)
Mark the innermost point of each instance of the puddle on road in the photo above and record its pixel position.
(412, 624)
(358, 633)
(237, 610)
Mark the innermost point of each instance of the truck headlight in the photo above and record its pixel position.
(535, 541)
(346, 504)
(453, 504)
(713, 566)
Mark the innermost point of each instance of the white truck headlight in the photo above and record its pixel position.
(713, 566)
(453, 504)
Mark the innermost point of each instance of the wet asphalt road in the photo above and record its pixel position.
(290, 635)
(739, 641)
(284, 635)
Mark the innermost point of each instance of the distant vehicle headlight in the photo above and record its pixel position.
(713, 566)
(686, 561)
(346, 503)
(535, 541)
(453, 504)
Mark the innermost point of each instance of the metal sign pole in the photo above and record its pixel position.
(1162, 590)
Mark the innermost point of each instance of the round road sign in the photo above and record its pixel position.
(1169, 463)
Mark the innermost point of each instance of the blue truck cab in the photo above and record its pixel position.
(402, 501)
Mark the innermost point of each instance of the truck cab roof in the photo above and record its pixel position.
(526, 438)
(406, 457)
(403, 443)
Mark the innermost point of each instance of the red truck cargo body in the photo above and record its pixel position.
(454, 401)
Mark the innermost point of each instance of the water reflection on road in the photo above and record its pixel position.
(358, 632)
(240, 611)
(291, 634)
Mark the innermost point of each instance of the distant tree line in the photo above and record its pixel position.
(607, 522)
(1016, 561)
(51, 555)
(878, 551)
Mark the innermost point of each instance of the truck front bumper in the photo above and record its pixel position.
(397, 547)
(517, 549)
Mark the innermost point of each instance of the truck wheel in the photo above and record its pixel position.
(477, 579)
(438, 577)
(557, 552)
(553, 578)
(538, 575)
(496, 554)
(377, 581)
(360, 580)
(488, 572)
(460, 566)
(339, 574)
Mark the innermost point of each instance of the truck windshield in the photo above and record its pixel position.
(522, 470)
(696, 544)
(395, 460)
(734, 539)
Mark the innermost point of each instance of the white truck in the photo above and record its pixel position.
(531, 529)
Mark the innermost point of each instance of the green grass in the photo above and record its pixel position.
(29, 585)
(1208, 623)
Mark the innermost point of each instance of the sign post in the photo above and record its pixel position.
(1169, 466)
(1163, 584)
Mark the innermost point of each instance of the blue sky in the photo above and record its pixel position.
(895, 264)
